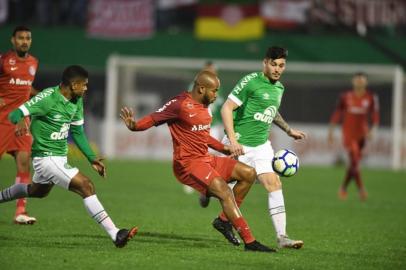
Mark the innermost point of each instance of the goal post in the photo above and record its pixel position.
(145, 83)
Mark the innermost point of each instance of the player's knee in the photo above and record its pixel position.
(36, 192)
(251, 174)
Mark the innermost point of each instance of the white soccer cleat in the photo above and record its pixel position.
(285, 242)
(188, 190)
(24, 219)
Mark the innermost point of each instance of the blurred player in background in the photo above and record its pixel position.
(189, 119)
(355, 108)
(248, 113)
(54, 112)
(17, 72)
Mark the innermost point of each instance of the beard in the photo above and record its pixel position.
(21, 53)
(206, 101)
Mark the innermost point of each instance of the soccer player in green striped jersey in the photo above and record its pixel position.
(54, 112)
(248, 113)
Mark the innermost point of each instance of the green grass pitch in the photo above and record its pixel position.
(175, 233)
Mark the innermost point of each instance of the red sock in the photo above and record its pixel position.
(22, 178)
(243, 230)
(223, 217)
(358, 180)
(347, 179)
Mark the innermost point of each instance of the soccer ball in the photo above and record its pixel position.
(285, 163)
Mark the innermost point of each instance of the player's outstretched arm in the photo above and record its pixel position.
(127, 115)
(294, 133)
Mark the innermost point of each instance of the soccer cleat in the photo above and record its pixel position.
(204, 200)
(342, 194)
(24, 219)
(124, 235)
(285, 242)
(257, 246)
(187, 189)
(226, 229)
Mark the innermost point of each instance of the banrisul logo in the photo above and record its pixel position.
(62, 134)
(267, 116)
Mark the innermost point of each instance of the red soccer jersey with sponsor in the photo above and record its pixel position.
(356, 112)
(189, 124)
(16, 77)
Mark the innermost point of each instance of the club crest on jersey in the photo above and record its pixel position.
(57, 117)
(267, 116)
(12, 61)
(62, 134)
(31, 70)
(266, 96)
(200, 127)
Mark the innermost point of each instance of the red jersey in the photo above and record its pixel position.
(356, 112)
(16, 77)
(189, 124)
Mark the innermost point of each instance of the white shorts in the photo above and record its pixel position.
(259, 157)
(53, 170)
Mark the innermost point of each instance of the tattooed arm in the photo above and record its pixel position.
(281, 123)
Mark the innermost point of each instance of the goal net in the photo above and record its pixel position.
(145, 84)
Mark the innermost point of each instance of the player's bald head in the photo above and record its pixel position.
(206, 86)
(206, 79)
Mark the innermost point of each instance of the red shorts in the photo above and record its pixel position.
(199, 174)
(354, 147)
(9, 142)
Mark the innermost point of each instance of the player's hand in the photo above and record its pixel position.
(330, 138)
(127, 115)
(99, 167)
(236, 149)
(2, 103)
(21, 128)
(371, 133)
(297, 134)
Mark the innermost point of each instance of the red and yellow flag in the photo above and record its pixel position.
(229, 22)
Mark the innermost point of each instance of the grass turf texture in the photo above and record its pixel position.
(174, 233)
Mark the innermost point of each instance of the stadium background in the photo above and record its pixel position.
(349, 235)
(68, 35)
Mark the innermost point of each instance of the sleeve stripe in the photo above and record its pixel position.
(235, 99)
(78, 123)
(24, 110)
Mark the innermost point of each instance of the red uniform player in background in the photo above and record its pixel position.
(356, 109)
(17, 72)
(188, 117)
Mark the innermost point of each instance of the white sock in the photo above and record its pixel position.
(16, 191)
(97, 212)
(276, 206)
(232, 184)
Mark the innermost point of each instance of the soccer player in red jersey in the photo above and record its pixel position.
(17, 72)
(355, 108)
(188, 118)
